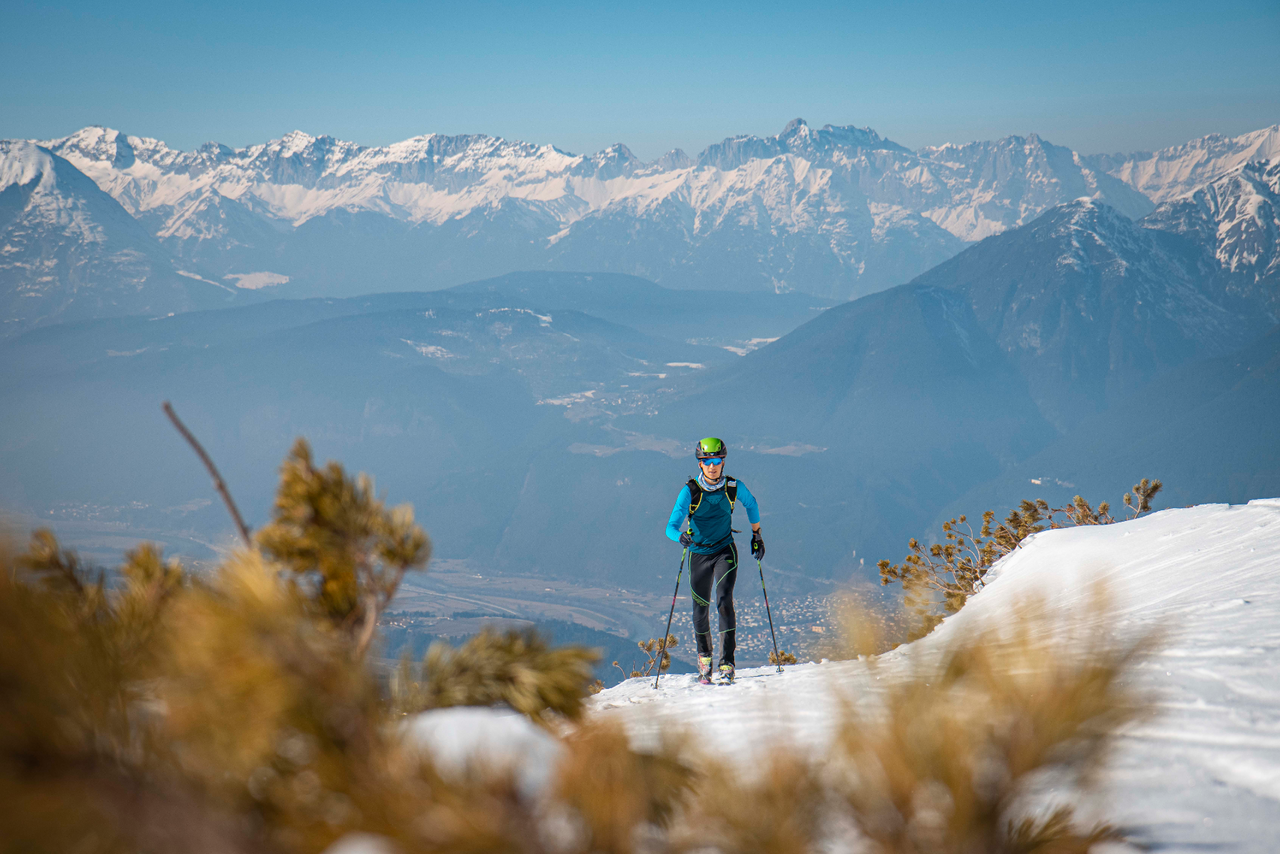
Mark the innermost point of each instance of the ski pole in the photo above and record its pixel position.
(662, 652)
(776, 657)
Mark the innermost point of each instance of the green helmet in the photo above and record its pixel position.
(711, 447)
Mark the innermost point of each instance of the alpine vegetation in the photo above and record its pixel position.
(240, 710)
(518, 669)
(958, 756)
(937, 580)
(337, 540)
(657, 654)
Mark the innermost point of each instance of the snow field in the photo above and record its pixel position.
(1201, 773)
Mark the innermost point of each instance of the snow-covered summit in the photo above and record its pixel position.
(1203, 772)
(1237, 220)
(798, 139)
(1180, 169)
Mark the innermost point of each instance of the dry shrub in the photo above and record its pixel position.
(266, 711)
(85, 764)
(516, 667)
(657, 654)
(56, 706)
(952, 761)
(776, 810)
(616, 792)
(239, 714)
(340, 541)
(482, 812)
(938, 579)
(859, 630)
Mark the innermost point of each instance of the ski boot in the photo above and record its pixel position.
(726, 674)
(704, 669)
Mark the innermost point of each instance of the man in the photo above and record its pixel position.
(707, 502)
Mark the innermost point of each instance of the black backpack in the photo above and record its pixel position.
(695, 494)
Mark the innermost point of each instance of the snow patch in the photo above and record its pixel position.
(469, 738)
(748, 345)
(431, 351)
(363, 843)
(256, 281)
(569, 399)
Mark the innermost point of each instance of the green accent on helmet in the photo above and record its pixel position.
(711, 447)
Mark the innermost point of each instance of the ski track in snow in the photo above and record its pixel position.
(1201, 774)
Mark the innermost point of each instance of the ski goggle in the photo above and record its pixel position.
(713, 461)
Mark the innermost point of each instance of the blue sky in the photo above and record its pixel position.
(1108, 76)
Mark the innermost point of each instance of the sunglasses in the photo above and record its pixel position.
(713, 461)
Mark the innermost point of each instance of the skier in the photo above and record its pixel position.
(707, 501)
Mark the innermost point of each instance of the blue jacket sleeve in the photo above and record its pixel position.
(678, 514)
(748, 501)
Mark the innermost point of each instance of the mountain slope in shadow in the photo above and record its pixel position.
(1208, 430)
(1090, 306)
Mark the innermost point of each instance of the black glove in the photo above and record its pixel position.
(757, 546)
(686, 539)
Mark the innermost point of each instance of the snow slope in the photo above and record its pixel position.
(1202, 774)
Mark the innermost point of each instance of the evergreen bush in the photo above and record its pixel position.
(938, 579)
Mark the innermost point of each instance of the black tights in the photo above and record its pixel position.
(711, 577)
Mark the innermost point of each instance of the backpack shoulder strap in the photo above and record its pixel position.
(731, 492)
(695, 495)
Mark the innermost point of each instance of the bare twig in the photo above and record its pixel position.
(370, 615)
(213, 472)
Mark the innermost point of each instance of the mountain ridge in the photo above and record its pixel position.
(837, 211)
(1092, 304)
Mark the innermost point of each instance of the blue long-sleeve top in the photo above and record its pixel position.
(711, 524)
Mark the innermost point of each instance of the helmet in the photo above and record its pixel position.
(711, 447)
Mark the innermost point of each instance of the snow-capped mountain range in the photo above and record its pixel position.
(836, 211)
(1179, 170)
